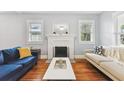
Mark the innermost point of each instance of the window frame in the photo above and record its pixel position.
(117, 33)
(80, 22)
(29, 22)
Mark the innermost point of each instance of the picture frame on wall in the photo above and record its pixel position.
(60, 29)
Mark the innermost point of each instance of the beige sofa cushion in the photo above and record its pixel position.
(112, 52)
(97, 58)
(114, 68)
(115, 52)
(121, 50)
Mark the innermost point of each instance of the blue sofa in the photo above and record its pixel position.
(11, 67)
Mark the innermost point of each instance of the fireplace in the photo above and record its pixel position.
(61, 52)
(62, 43)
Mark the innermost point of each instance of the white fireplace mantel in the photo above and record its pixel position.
(60, 41)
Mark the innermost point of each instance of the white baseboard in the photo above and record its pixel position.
(75, 56)
(79, 56)
(43, 56)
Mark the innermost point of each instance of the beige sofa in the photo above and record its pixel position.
(111, 64)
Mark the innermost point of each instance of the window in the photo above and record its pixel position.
(122, 34)
(86, 31)
(35, 31)
(120, 29)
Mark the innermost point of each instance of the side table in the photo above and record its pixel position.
(36, 53)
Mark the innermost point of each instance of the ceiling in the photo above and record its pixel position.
(53, 12)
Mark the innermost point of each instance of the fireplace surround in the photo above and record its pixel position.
(61, 41)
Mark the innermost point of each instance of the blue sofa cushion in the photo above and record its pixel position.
(24, 61)
(10, 54)
(1, 58)
(16, 52)
(7, 71)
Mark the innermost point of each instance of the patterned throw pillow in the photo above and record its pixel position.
(99, 50)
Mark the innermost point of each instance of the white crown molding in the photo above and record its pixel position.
(51, 12)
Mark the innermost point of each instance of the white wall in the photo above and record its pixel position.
(107, 35)
(13, 29)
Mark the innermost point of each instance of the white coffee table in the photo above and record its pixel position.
(63, 73)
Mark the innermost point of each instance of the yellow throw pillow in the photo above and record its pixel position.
(24, 52)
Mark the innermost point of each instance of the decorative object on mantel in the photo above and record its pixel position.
(60, 29)
(66, 32)
(54, 32)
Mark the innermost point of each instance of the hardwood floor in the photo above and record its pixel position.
(83, 70)
(37, 72)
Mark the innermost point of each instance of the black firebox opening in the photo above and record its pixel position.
(61, 52)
